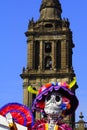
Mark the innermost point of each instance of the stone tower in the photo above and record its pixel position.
(49, 50)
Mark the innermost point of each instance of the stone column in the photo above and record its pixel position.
(63, 54)
(25, 92)
(55, 45)
(53, 55)
(27, 97)
(41, 55)
(67, 53)
(30, 55)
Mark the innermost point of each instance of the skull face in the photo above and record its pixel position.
(53, 103)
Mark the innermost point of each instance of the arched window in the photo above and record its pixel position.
(36, 55)
(58, 54)
(48, 25)
(48, 62)
(48, 47)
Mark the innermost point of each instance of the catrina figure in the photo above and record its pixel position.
(55, 101)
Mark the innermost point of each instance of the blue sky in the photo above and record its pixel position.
(14, 17)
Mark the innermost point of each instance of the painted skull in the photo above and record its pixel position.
(53, 104)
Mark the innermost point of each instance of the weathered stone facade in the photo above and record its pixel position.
(81, 124)
(50, 49)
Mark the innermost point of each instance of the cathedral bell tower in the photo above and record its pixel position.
(49, 50)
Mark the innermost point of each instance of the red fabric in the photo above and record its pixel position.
(40, 125)
(44, 87)
(40, 105)
(66, 127)
(20, 113)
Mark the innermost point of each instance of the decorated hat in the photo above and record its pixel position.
(61, 88)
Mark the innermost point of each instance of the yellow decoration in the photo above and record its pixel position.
(11, 125)
(56, 127)
(31, 90)
(46, 126)
(72, 83)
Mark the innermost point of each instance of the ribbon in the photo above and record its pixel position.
(31, 90)
(72, 83)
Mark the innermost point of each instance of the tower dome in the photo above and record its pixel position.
(50, 9)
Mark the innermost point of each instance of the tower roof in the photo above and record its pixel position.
(50, 9)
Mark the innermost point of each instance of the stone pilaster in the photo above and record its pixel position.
(41, 55)
(63, 54)
(30, 55)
